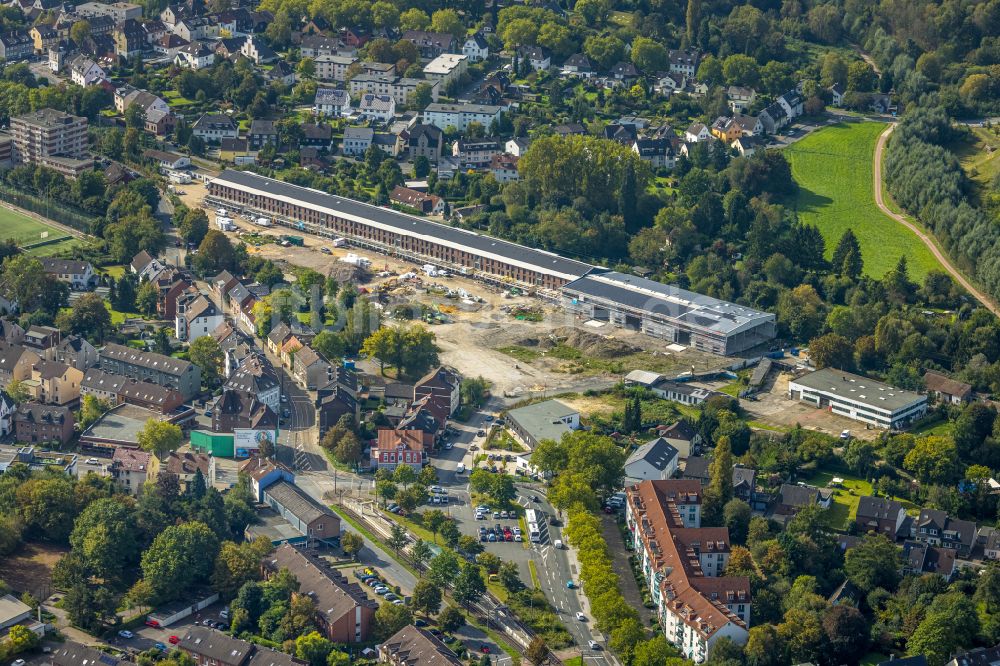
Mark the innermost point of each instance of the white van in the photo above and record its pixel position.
(558, 544)
(460, 469)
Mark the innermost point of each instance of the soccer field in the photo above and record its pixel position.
(25, 231)
(833, 167)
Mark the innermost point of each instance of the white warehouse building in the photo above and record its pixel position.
(859, 398)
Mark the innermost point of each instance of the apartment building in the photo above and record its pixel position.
(460, 116)
(401, 88)
(53, 139)
(682, 564)
(131, 468)
(175, 373)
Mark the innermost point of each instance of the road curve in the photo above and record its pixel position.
(983, 298)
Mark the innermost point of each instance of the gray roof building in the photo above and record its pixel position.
(549, 419)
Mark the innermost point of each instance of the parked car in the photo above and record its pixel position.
(593, 645)
(481, 433)
(581, 617)
(125, 633)
(173, 640)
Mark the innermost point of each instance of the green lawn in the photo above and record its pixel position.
(847, 497)
(833, 167)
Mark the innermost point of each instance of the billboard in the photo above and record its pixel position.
(247, 441)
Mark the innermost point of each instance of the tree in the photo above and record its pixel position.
(91, 409)
(765, 647)
(238, 564)
(397, 538)
(720, 485)
(179, 557)
(450, 533)
(215, 254)
(474, 391)
(206, 353)
(451, 619)
(390, 618)
(448, 21)
(847, 632)
(604, 50)
(147, 297)
(160, 437)
(46, 507)
(469, 584)
(414, 19)
(313, 648)
(194, 226)
(933, 459)
(860, 455)
(348, 450)
(873, 563)
(509, 577)
(740, 70)
(649, 56)
(338, 658)
(832, 351)
(426, 597)
(352, 543)
(90, 317)
(537, 651)
(433, 520)
(951, 623)
(444, 569)
(18, 391)
(736, 515)
(420, 552)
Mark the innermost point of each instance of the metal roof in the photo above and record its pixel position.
(672, 302)
(408, 225)
(859, 389)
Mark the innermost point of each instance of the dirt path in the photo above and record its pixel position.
(988, 302)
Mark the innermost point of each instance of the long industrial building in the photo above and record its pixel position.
(666, 312)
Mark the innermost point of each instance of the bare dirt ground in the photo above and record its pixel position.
(775, 409)
(30, 570)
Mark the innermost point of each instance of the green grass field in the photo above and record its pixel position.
(25, 230)
(846, 498)
(833, 167)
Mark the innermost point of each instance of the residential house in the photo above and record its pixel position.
(740, 98)
(684, 63)
(197, 316)
(657, 152)
(427, 204)
(215, 126)
(476, 48)
(430, 44)
(443, 386)
(773, 118)
(578, 65)
(344, 614)
(517, 146)
(667, 83)
(504, 168)
(16, 46)
(400, 447)
(475, 153)
(446, 68)
(920, 558)
(262, 132)
(208, 647)
(791, 102)
(316, 135)
(78, 274)
(255, 376)
(882, 516)
(167, 161)
(54, 383)
(41, 339)
(16, 362)
(793, 498)
(84, 71)
(460, 116)
(422, 140)
(682, 564)
(194, 56)
(318, 46)
(837, 92)
(745, 484)
(332, 102)
(413, 646)
(282, 73)
(130, 39)
(624, 73)
(947, 390)
(238, 410)
(697, 133)
(34, 423)
(310, 369)
(7, 410)
(186, 465)
(229, 48)
(43, 37)
(131, 468)
(538, 58)
(380, 108)
(937, 528)
(337, 398)
(748, 145)
(654, 460)
(237, 151)
(357, 140)
(257, 51)
(175, 373)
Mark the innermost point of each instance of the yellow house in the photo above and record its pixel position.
(43, 37)
(55, 383)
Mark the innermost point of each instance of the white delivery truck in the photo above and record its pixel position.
(263, 222)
